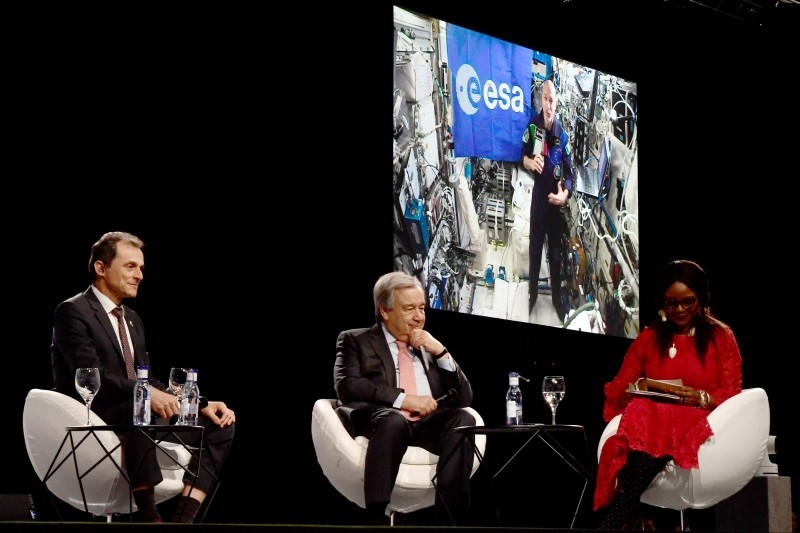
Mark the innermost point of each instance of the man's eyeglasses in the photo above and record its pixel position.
(687, 303)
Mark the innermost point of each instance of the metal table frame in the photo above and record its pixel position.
(155, 433)
(546, 433)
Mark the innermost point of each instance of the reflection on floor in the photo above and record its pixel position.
(544, 313)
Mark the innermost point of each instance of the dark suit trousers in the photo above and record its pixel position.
(390, 434)
(139, 450)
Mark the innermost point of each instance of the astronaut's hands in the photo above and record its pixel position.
(534, 164)
(560, 198)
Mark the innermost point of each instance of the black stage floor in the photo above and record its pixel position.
(81, 527)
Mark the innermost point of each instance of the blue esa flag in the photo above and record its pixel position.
(491, 94)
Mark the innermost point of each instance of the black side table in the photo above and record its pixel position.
(549, 434)
(78, 435)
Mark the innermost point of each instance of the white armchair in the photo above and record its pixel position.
(728, 460)
(103, 490)
(342, 460)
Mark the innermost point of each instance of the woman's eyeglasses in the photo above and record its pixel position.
(687, 303)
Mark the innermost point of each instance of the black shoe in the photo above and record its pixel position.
(457, 517)
(147, 518)
(376, 514)
(454, 515)
(377, 520)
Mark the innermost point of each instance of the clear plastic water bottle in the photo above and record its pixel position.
(192, 398)
(141, 397)
(513, 401)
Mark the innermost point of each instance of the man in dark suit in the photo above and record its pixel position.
(366, 378)
(86, 333)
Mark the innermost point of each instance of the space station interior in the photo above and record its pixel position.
(461, 224)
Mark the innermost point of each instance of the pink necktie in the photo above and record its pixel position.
(126, 347)
(407, 379)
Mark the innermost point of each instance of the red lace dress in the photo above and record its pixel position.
(660, 428)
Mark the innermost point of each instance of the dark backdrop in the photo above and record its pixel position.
(254, 164)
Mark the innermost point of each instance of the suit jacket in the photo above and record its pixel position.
(84, 337)
(364, 374)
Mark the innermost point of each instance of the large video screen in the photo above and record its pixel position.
(515, 180)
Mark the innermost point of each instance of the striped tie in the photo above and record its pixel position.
(123, 340)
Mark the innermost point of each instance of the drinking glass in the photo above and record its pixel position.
(87, 383)
(177, 383)
(553, 390)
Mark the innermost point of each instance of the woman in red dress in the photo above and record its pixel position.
(686, 342)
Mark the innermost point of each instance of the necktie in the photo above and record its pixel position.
(407, 379)
(126, 347)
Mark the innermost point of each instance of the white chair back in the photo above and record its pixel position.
(105, 491)
(45, 415)
(728, 460)
(342, 460)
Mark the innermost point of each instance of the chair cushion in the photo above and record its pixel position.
(172, 456)
(414, 454)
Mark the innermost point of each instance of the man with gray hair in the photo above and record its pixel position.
(394, 414)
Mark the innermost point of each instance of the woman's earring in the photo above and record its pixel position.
(663, 315)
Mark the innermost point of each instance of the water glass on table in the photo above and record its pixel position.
(177, 384)
(87, 383)
(553, 390)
